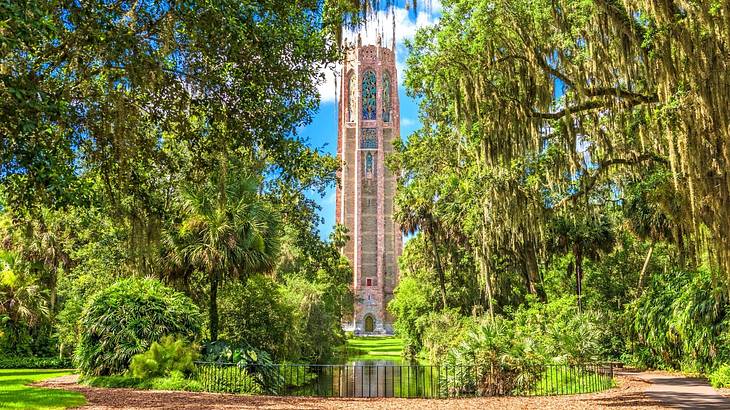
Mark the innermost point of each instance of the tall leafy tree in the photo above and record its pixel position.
(227, 231)
(607, 88)
(128, 99)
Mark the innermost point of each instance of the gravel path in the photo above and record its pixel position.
(683, 392)
(628, 395)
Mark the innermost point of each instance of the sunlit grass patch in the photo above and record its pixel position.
(15, 394)
(375, 347)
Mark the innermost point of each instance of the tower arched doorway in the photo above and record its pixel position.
(369, 324)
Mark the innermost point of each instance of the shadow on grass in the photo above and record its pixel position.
(36, 374)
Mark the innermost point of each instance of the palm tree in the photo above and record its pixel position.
(415, 212)
(44, 244)
(584, 235)
(22, 302)
(227, 231)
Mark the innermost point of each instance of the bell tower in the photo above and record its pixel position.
(369, 122)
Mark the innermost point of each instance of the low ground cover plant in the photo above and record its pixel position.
(29, 362)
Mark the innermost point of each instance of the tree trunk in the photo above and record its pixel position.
(643, 268)
(439, 269)
(213, 308)
(54, 293)
(578, 254)
(531, 268)
(487, 280)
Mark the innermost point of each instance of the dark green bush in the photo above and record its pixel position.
(21, 362)
(254, 314)
(164, 357)
(126, 318)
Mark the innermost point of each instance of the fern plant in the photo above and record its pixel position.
(164, 358)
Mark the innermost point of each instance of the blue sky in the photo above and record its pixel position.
(322, 132)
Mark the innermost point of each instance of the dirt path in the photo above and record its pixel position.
(681, 392)
(628, 395)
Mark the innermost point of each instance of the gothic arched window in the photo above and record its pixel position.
(352, 99)
(369, 95)
(369, 138)
(369, 163)
(386, 97)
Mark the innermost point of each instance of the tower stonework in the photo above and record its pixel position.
(369, 122)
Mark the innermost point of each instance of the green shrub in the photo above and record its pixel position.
(721, 377)
(508, 362)
(443, 331)
(166, 356)
(21, 362)
(565, 335)
(254, 314)
(316, 328)
(174, 382)
(234, 379)
(413, 300)
(680, 322)
(126, 318)
(113, 381)
(267, 378)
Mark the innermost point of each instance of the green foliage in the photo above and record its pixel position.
(443, 331)
(563, 334)
(126, 318)
(680, 322)
(720, 377)
(173, 382)
(256, 315)
(315, 329)
(15, 392)
(227, 231)
(237, 49)
(96, 188)
(510, 361)
(236, 379)
(165, 357)
(228, 364)
(30, 362)
(22, 304)
(413, 300)
(567, 380)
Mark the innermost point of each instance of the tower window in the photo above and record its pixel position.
(369, 282)
(369, 163)
(386, 97)
(369, 95)
(352, 99)
(369, 138)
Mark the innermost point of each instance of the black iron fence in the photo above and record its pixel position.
(406, 381)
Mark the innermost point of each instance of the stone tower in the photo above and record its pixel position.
(369, 122)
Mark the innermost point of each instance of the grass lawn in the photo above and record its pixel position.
(374, 348)
(14, 394)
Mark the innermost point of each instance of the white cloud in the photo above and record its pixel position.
(407, 122)
(329, 86)
(382, 22)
